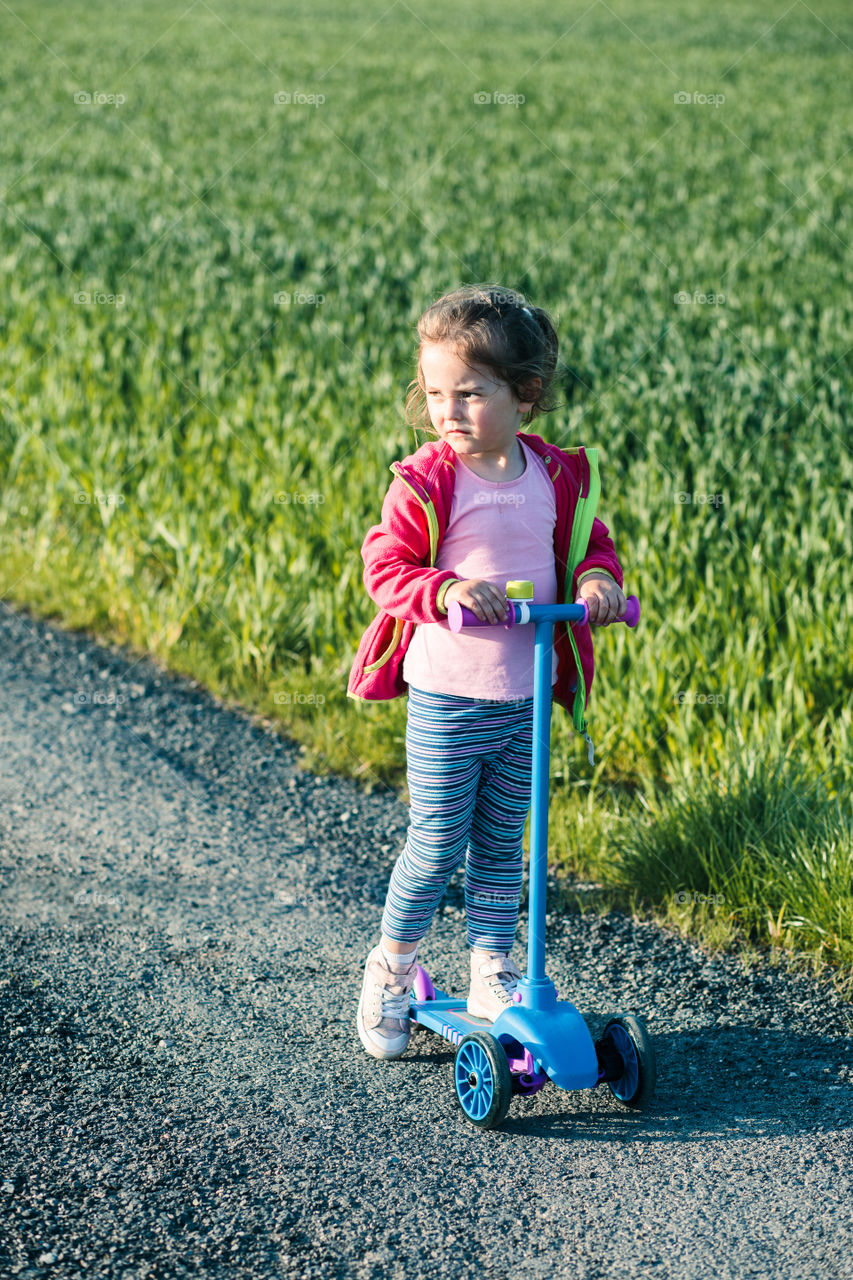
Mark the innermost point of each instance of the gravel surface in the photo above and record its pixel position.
(185, 921)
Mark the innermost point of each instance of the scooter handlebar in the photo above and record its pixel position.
(520, 611)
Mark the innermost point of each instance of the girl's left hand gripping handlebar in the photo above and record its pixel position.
(520, 611)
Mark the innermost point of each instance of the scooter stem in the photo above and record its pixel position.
(543, 640)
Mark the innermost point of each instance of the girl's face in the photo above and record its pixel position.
(478, 416)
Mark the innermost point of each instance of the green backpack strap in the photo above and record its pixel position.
(578, 543)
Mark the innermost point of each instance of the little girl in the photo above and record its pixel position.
(481, 504)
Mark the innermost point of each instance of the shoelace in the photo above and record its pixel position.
(503, 983)
(504, 990)
(395, 997)
(395, 1005)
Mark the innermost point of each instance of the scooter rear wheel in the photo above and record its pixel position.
(482, 1079)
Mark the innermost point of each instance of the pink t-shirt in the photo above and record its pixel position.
(497, 530)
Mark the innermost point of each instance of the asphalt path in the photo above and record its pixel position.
(185, 917)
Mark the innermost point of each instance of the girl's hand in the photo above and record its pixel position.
(484, 599)
(603, 598)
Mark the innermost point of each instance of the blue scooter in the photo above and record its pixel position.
(538, 1037)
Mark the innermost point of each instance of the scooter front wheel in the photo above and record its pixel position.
(627, 1034)
(482, 1079)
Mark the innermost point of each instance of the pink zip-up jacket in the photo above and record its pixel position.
(399, 554)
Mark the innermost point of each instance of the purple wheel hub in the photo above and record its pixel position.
(423, 988)
(526, 1079)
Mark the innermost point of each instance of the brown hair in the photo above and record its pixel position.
(498, 328)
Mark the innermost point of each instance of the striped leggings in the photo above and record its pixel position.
(468, 770)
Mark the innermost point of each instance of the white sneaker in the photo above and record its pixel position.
(494, 975)
(383, 1021)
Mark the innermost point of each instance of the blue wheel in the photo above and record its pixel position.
(627, 1037)
(482, 1079)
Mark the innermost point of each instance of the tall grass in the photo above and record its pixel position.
(762, 850)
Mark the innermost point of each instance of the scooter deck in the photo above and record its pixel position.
(448, 1016)
(556, 1045)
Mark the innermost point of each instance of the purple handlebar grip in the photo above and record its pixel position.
(631, 616)
(458, 616)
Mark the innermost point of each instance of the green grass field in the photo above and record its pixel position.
(209, 328)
